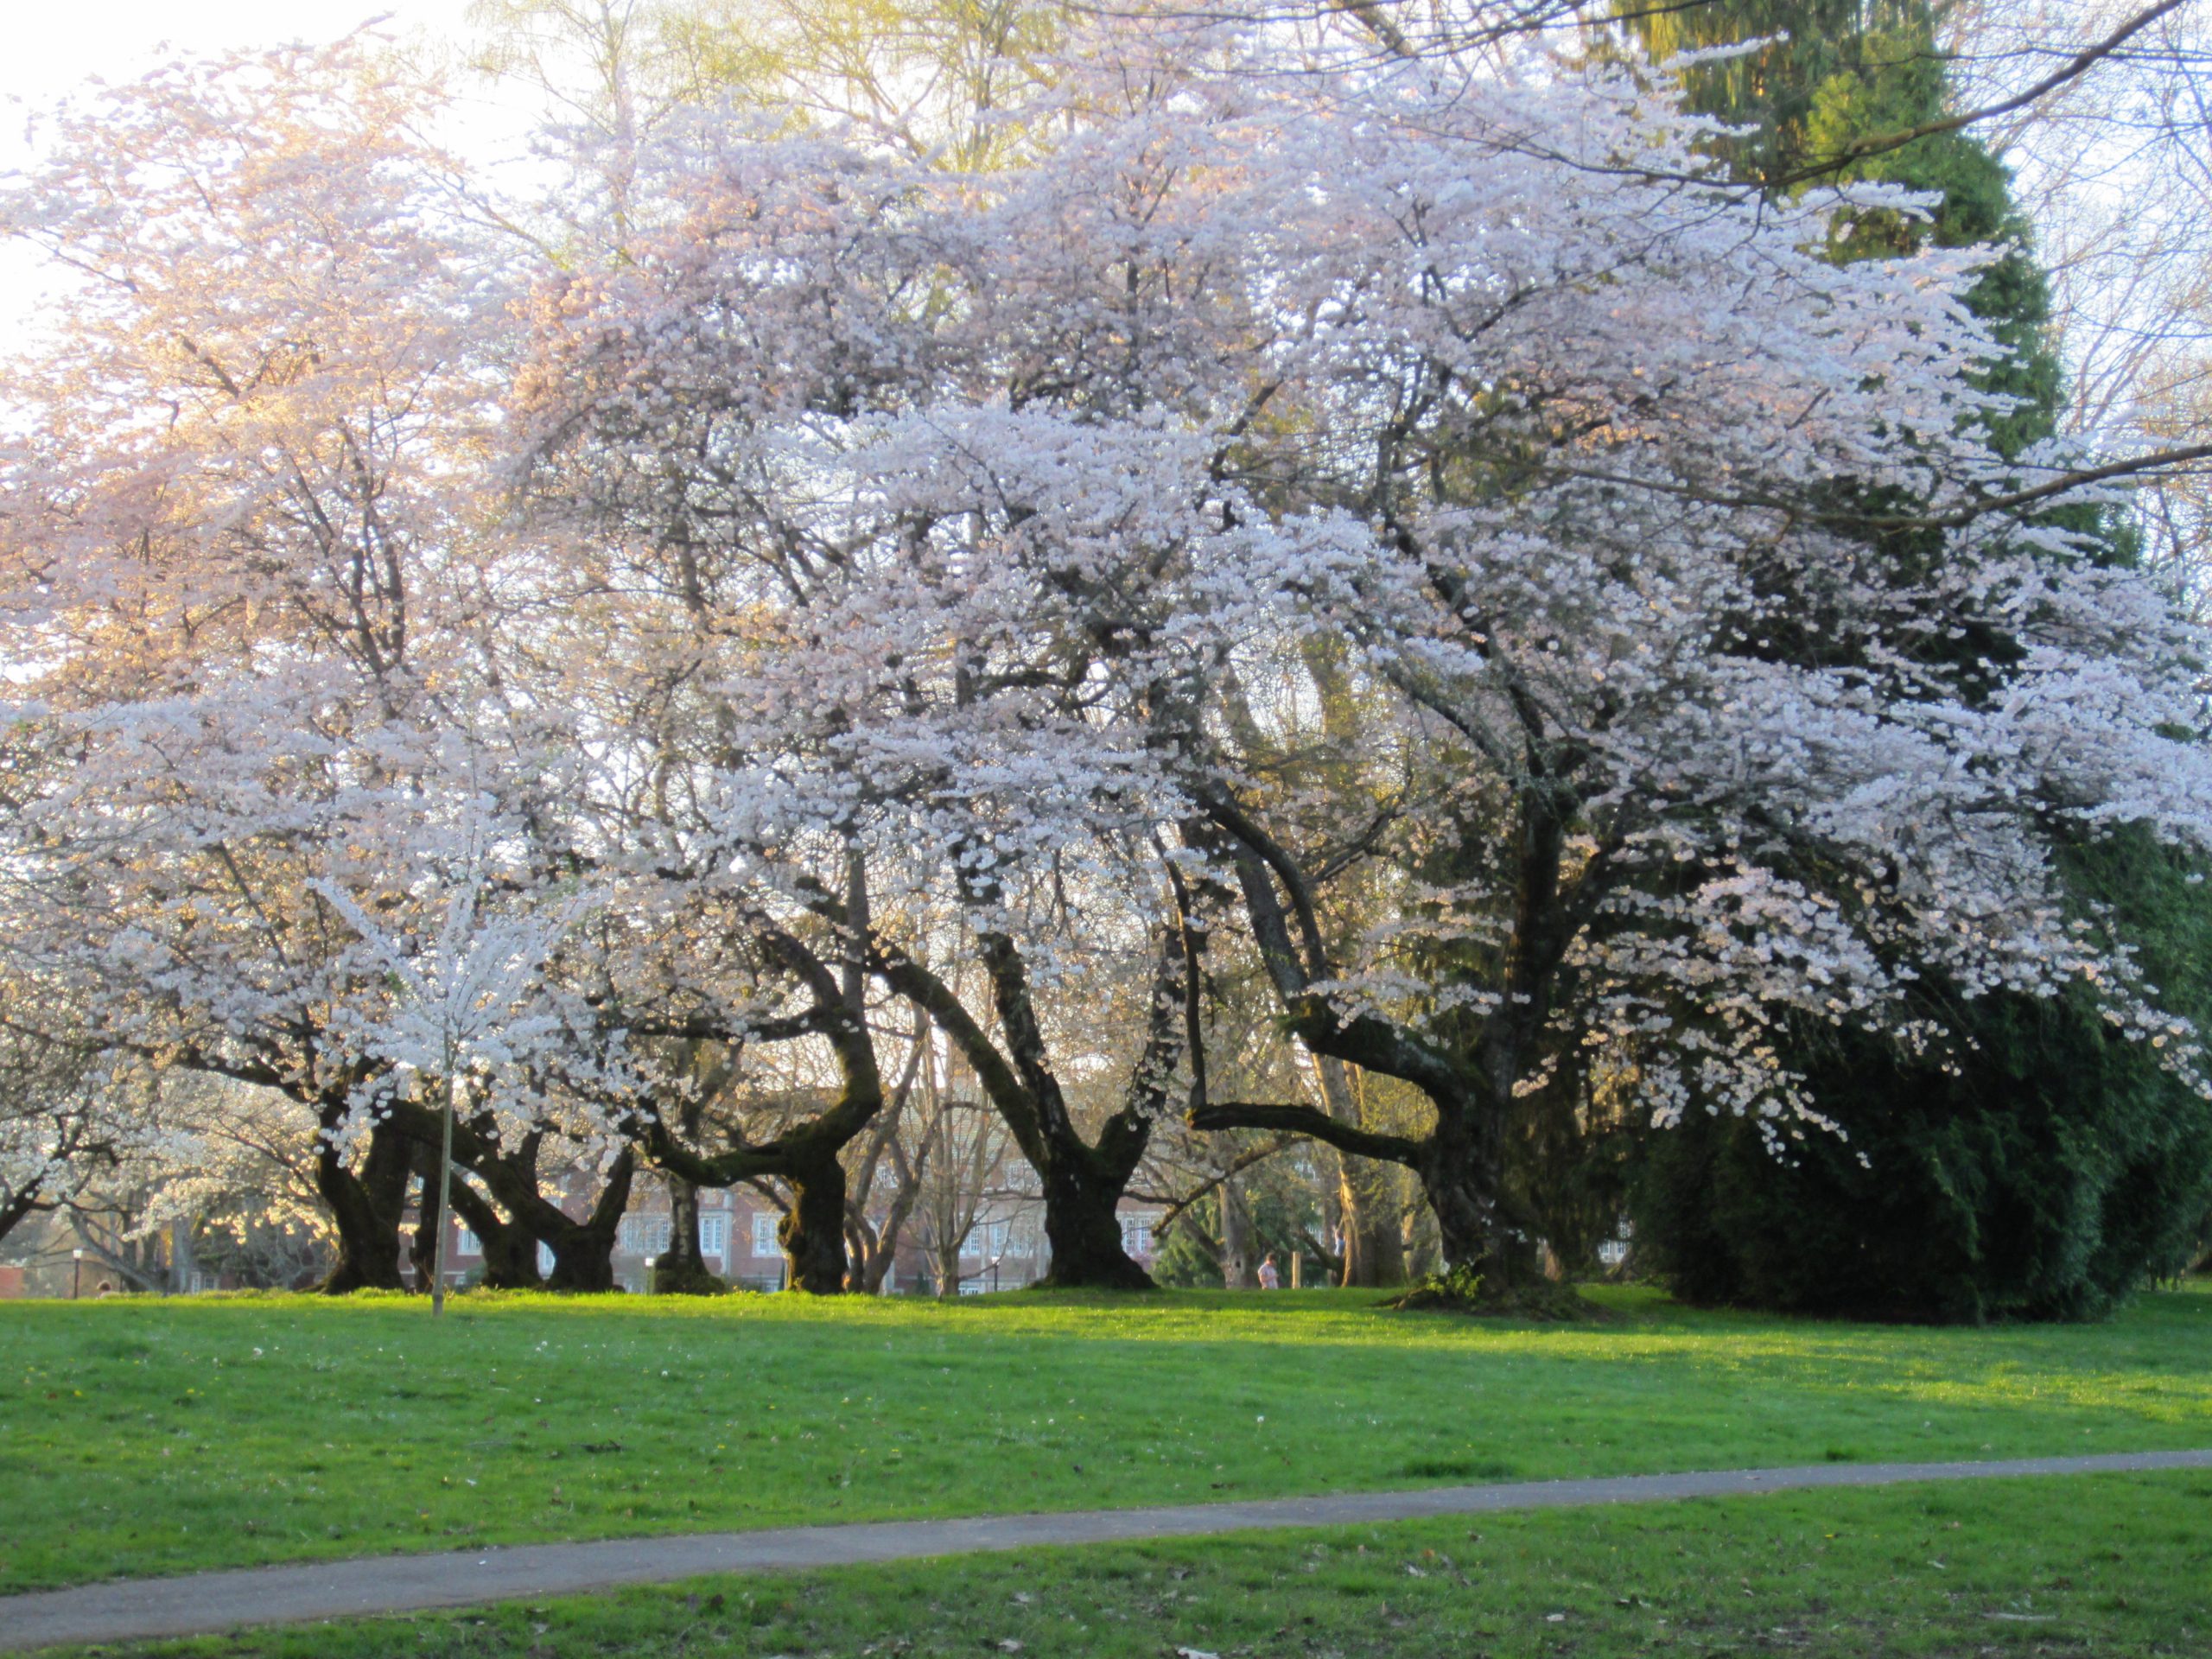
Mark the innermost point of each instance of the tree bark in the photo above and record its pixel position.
(812, 1232)
(806, 1158)
(1374, 1252)
(1238, 1269)
(1461, 1174)
(181, 1255)
(681, 1270)
(1366, 1200)
(422, 1246)
(20, 1203)
(1081, 1183)
(1489, 1245)
(1083, 1222)
(945, 1252)
(583, 1251)
(872, 1247)
(365, 1206)
(509, 1248)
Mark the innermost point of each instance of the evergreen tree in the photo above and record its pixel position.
(1834, 72)
(2046, 1166)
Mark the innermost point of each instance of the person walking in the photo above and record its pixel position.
(1270, 1276)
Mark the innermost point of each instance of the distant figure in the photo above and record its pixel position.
(1270, 1278)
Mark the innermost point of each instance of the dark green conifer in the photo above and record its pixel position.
(2047, 1164)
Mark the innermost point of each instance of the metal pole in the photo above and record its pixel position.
(76, 1273)
(445, 1181)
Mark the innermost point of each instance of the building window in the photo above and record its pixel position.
(466, 1243)
(545, 1258)
(642, 1235)
(764, 1234)
(1136, 1235)
(993, 1236)
(713, 1236)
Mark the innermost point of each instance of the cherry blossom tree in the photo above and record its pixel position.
(1727, 679)
(245, 573)
(65, 1121)
(1395, 524)
(463, 1004)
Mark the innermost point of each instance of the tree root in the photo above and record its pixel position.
(1464, 1291)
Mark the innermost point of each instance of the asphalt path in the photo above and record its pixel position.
(203, 1603)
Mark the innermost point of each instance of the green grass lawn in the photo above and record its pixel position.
(2103, 1565)
(145, 1437)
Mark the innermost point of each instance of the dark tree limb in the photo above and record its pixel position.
(1317, 1126)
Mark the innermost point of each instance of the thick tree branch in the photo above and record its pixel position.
(1317, 1126)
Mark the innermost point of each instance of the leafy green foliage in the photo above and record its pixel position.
(1283, 1217)
(2043, 1175)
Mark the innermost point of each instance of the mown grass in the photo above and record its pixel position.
(140, 1437)
(2103, 1565)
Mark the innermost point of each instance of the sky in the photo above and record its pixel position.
(51, 48)
(53, 45)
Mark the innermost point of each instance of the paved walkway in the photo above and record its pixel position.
(202, 1602)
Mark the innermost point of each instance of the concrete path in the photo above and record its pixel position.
(202, 1602)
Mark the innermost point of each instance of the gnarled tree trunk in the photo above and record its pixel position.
(1082, 1223)
(583, 1251)
(681, 1270)
(812, 1232)
(365, 1205)
(510, 1248)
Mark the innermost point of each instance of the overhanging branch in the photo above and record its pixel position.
(1317, 1126)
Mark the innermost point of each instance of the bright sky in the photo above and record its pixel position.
(53, 46)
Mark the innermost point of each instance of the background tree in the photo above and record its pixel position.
(1921, 1206)
(62, 1124)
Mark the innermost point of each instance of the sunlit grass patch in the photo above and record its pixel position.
(142, 1437)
